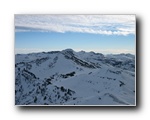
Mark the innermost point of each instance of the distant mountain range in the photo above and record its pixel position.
(74, 78)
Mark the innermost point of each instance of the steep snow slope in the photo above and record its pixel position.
(74, 78)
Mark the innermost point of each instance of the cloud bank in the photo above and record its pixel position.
(94, 24)
(104, 51)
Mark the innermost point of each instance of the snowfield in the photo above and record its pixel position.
(74, 78)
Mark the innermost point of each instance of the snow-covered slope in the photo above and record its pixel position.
(74, 78)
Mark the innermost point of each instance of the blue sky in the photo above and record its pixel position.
(99, 33)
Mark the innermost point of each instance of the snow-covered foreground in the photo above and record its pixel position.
(74, 78)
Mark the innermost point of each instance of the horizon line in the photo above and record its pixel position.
(105, 52)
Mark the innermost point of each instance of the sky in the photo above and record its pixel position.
(107, 34)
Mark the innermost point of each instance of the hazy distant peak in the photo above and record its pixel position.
(68, 49)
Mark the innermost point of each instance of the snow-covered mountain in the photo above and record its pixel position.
(74, 78)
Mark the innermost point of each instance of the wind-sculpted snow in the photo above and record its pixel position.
(74, 78)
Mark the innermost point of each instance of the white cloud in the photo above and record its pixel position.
(95, 24)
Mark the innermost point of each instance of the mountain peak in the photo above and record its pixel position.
(68, 77)
(68, 49)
